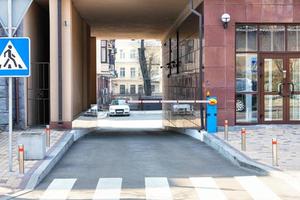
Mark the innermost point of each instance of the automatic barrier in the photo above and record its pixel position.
(181, 107)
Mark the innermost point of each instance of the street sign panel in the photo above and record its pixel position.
(14, 57)
(19, 9)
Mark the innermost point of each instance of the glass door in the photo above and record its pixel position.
(294, 89)
(273, 89)
(280, 89)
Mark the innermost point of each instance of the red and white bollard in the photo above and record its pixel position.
(274, 152)
(47, 130)
(243, 139)
(21, 158)
(226, 130)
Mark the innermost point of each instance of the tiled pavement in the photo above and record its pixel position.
(11, 181)
(259, 144)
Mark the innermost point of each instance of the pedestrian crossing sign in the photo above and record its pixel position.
(14, 57)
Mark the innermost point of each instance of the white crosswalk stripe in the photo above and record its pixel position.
(207, 188)
(256, 189)
(58, 189)
(108, 189)
(157, 188)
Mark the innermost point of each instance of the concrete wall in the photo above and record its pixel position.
(78, 64)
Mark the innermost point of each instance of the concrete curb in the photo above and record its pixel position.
(51, 160)
(238, 158)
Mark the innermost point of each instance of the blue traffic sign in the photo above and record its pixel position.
(14, 57)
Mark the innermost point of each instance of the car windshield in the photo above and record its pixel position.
(118, 102)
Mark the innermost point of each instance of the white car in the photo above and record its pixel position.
(118, 108)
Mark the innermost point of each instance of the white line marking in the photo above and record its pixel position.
(256, 189)
(108, 189)
(157, 189)
(207, 189)
(58, 189)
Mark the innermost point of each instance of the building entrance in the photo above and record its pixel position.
(280, 88)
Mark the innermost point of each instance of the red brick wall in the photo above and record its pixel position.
(219, 43)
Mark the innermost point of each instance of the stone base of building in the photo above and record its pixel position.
(61, 125)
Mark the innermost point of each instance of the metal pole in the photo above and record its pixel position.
(226, 130)
(274, 152)
(243, 139)
(21, 158)
(10, 93)
(48, 136)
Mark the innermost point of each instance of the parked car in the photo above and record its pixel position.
(119, 107)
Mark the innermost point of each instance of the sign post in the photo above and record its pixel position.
(10, 121)
(14, 55)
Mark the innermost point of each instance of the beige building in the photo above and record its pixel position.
(129, 81)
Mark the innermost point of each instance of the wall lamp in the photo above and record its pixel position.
(225, 20)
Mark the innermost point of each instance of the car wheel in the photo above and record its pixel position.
(240, 106)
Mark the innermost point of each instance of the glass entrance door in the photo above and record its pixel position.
(294, 89)
(280, 89)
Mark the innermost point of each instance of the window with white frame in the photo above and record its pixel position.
(132, 72)
(103, 51)
(132, 54)
(122, 54)
(122, 89)
(122, 72)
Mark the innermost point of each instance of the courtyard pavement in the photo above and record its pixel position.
(13, 181)
(259, 144)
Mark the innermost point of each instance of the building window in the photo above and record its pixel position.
(246, 38)
(132, 89)
(103, 51)
(132, 72)
(246, 80)
(141, 89)
(272, 38)
(190, 51)
(122, 89)
(293, 34)
(133, 54)
(122, 54)
(122, 72)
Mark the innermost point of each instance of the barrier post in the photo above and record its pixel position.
(243, 139)
(211, 115)
(226, 130)
(274, 152)
(21, 158)
(47, 130)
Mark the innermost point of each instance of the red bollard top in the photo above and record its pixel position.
(226, 122)
(243, 131)
(21, 149)
(47, 128)
(274, 141)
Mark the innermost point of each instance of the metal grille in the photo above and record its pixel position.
(38, 94)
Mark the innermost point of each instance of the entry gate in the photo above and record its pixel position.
(182, 107)
(38, 95)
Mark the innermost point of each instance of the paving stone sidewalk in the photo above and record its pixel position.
(13, 181)
(259, 144)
